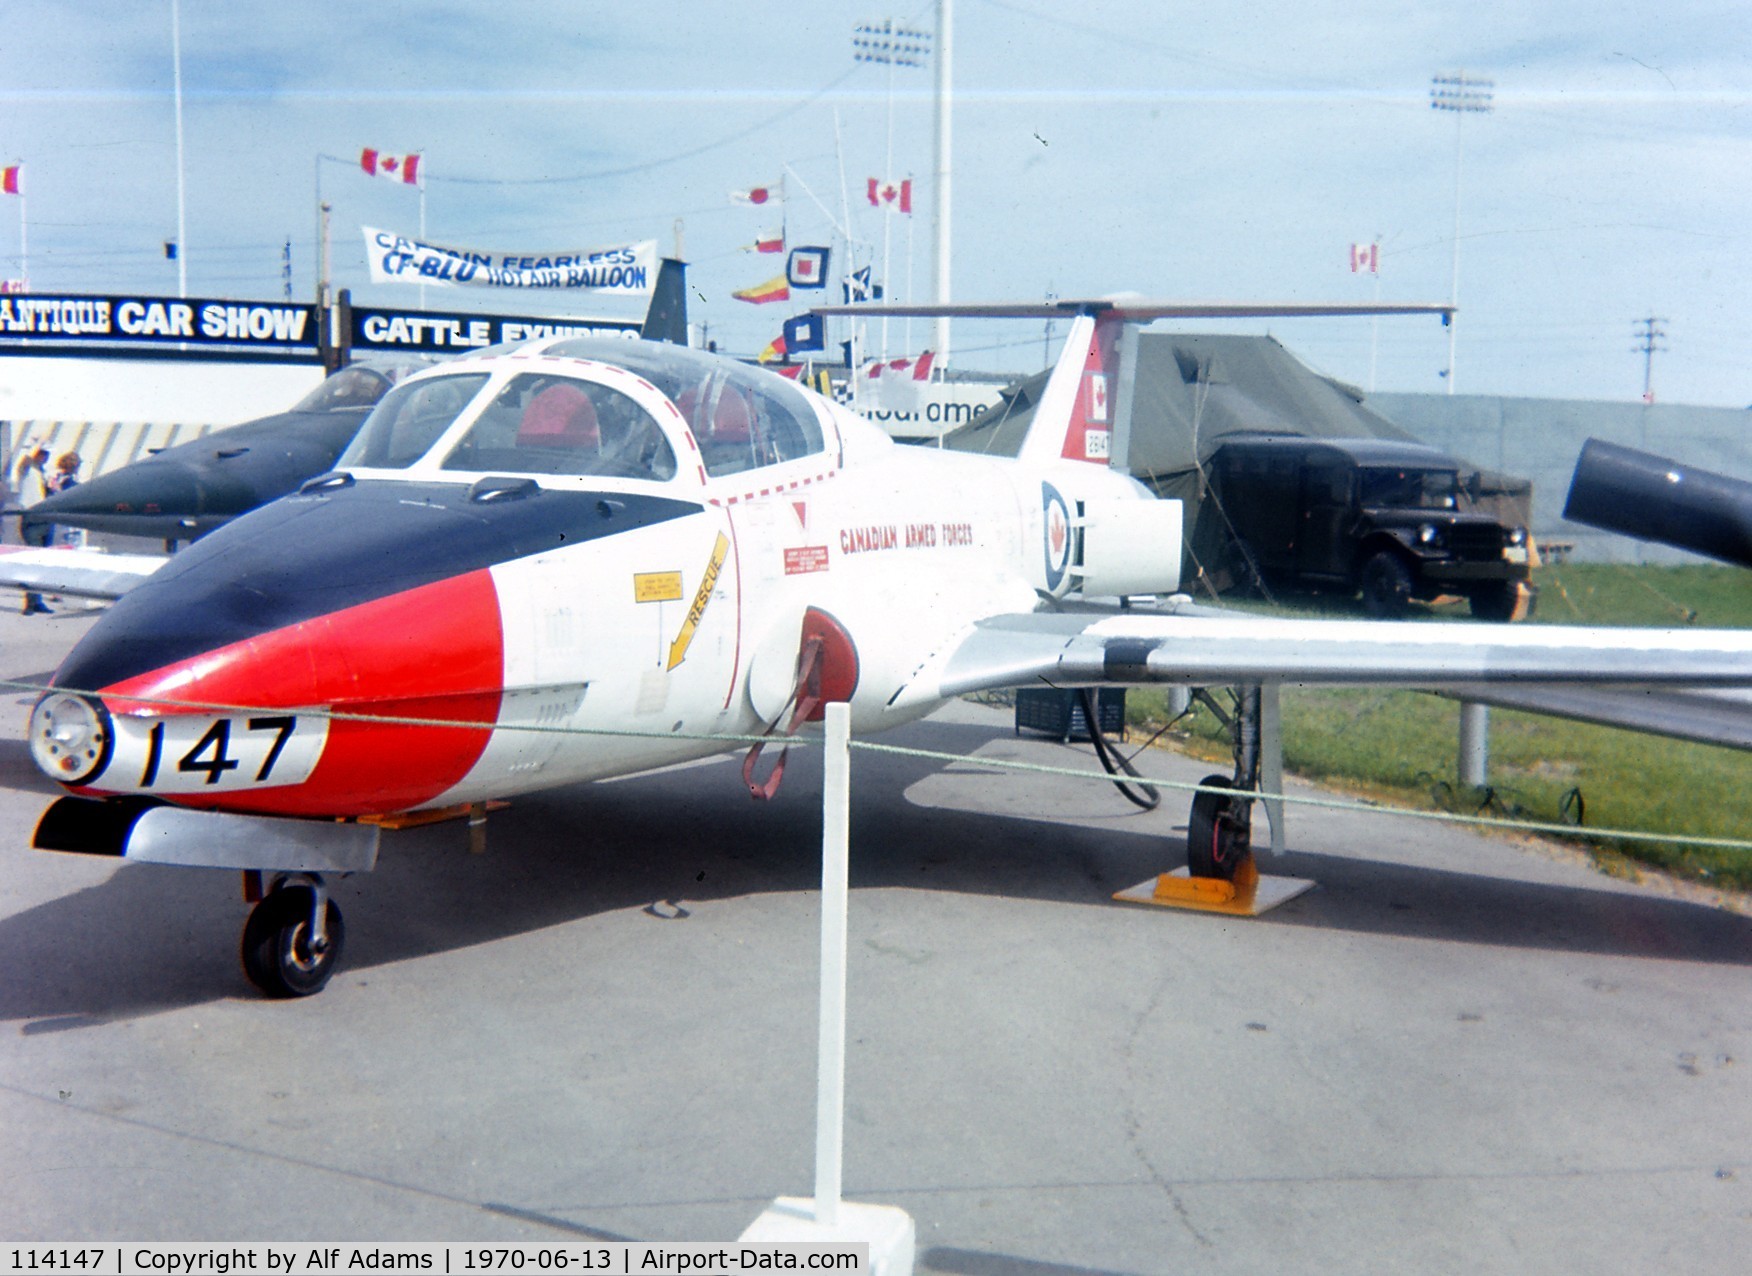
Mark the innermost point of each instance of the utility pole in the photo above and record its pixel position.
(1462, 95)
(1649, 335)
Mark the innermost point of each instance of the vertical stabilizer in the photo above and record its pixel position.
(1074, 419)
(666, 319)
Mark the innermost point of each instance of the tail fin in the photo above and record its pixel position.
(666, 317)
(1074, 419)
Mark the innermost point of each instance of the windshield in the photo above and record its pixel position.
(347, 389)
(545, 424)
(1410, 489)
(402, 428)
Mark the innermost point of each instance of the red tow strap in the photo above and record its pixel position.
(805, 700)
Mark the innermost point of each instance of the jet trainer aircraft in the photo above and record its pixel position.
(578, 558)
(185, 491)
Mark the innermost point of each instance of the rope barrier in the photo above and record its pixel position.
(999, 764)
(1336, 804)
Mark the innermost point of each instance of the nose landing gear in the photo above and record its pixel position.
(293, 938)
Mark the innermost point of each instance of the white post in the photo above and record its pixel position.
(830, 1100)
(1474, 744)
(1271, 762)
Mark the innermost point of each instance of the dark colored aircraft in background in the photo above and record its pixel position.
(184, 492)
(1655, 499)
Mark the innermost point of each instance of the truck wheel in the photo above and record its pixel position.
(1497, 601)
(1386, 582)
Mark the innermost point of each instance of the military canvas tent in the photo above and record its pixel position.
(1190, 391)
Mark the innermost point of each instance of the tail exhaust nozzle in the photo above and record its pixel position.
(1651, 498)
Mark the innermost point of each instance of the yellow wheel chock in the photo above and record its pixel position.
(1248, 895)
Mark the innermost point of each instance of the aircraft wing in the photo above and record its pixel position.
(1202, 647)
(78, 573)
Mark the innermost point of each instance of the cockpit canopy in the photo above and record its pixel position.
(545, 418)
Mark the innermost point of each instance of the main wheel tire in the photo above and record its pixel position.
(1386, 585)
(278, 955)
(1218, 837)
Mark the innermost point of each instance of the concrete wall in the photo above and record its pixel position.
(1539, 439)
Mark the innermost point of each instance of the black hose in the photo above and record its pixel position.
(1145, 795)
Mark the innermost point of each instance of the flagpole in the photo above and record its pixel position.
(23, 240)
(839, 151)
(888, 221)
(907, 326)
(1375, 322)
(940, 193)
(321, 257)
(182, 247)
(422, 221)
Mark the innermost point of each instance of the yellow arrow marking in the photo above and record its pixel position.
(678, 648)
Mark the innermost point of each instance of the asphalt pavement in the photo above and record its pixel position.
(1459, 1053)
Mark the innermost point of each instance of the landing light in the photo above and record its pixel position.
(70, 737)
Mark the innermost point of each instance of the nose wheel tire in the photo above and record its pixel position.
(281, 953)
(1219, 834)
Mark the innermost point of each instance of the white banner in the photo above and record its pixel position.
(625, 270)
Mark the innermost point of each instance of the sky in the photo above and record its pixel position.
(1177, 151)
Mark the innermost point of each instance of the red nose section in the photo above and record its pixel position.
(434, 653)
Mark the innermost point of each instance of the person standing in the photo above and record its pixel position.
(65, 479)
(30, 477)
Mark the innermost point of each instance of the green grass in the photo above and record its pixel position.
(1400, 746)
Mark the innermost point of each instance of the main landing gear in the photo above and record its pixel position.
(1220, 875)
(1219, 831)
(293, 938)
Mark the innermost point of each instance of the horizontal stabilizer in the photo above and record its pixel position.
(1136, 310)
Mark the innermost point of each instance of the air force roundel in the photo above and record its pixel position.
(1057, 536)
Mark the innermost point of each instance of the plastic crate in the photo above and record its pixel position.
(1060, 713)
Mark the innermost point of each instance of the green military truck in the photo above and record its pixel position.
(1388, 520)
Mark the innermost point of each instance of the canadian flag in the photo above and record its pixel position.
(920, 367)
(379, 164)
(896, 197)
(11, 179)
(1365, 259)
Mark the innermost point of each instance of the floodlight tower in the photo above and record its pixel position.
(1462, 95)
(889, 44)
